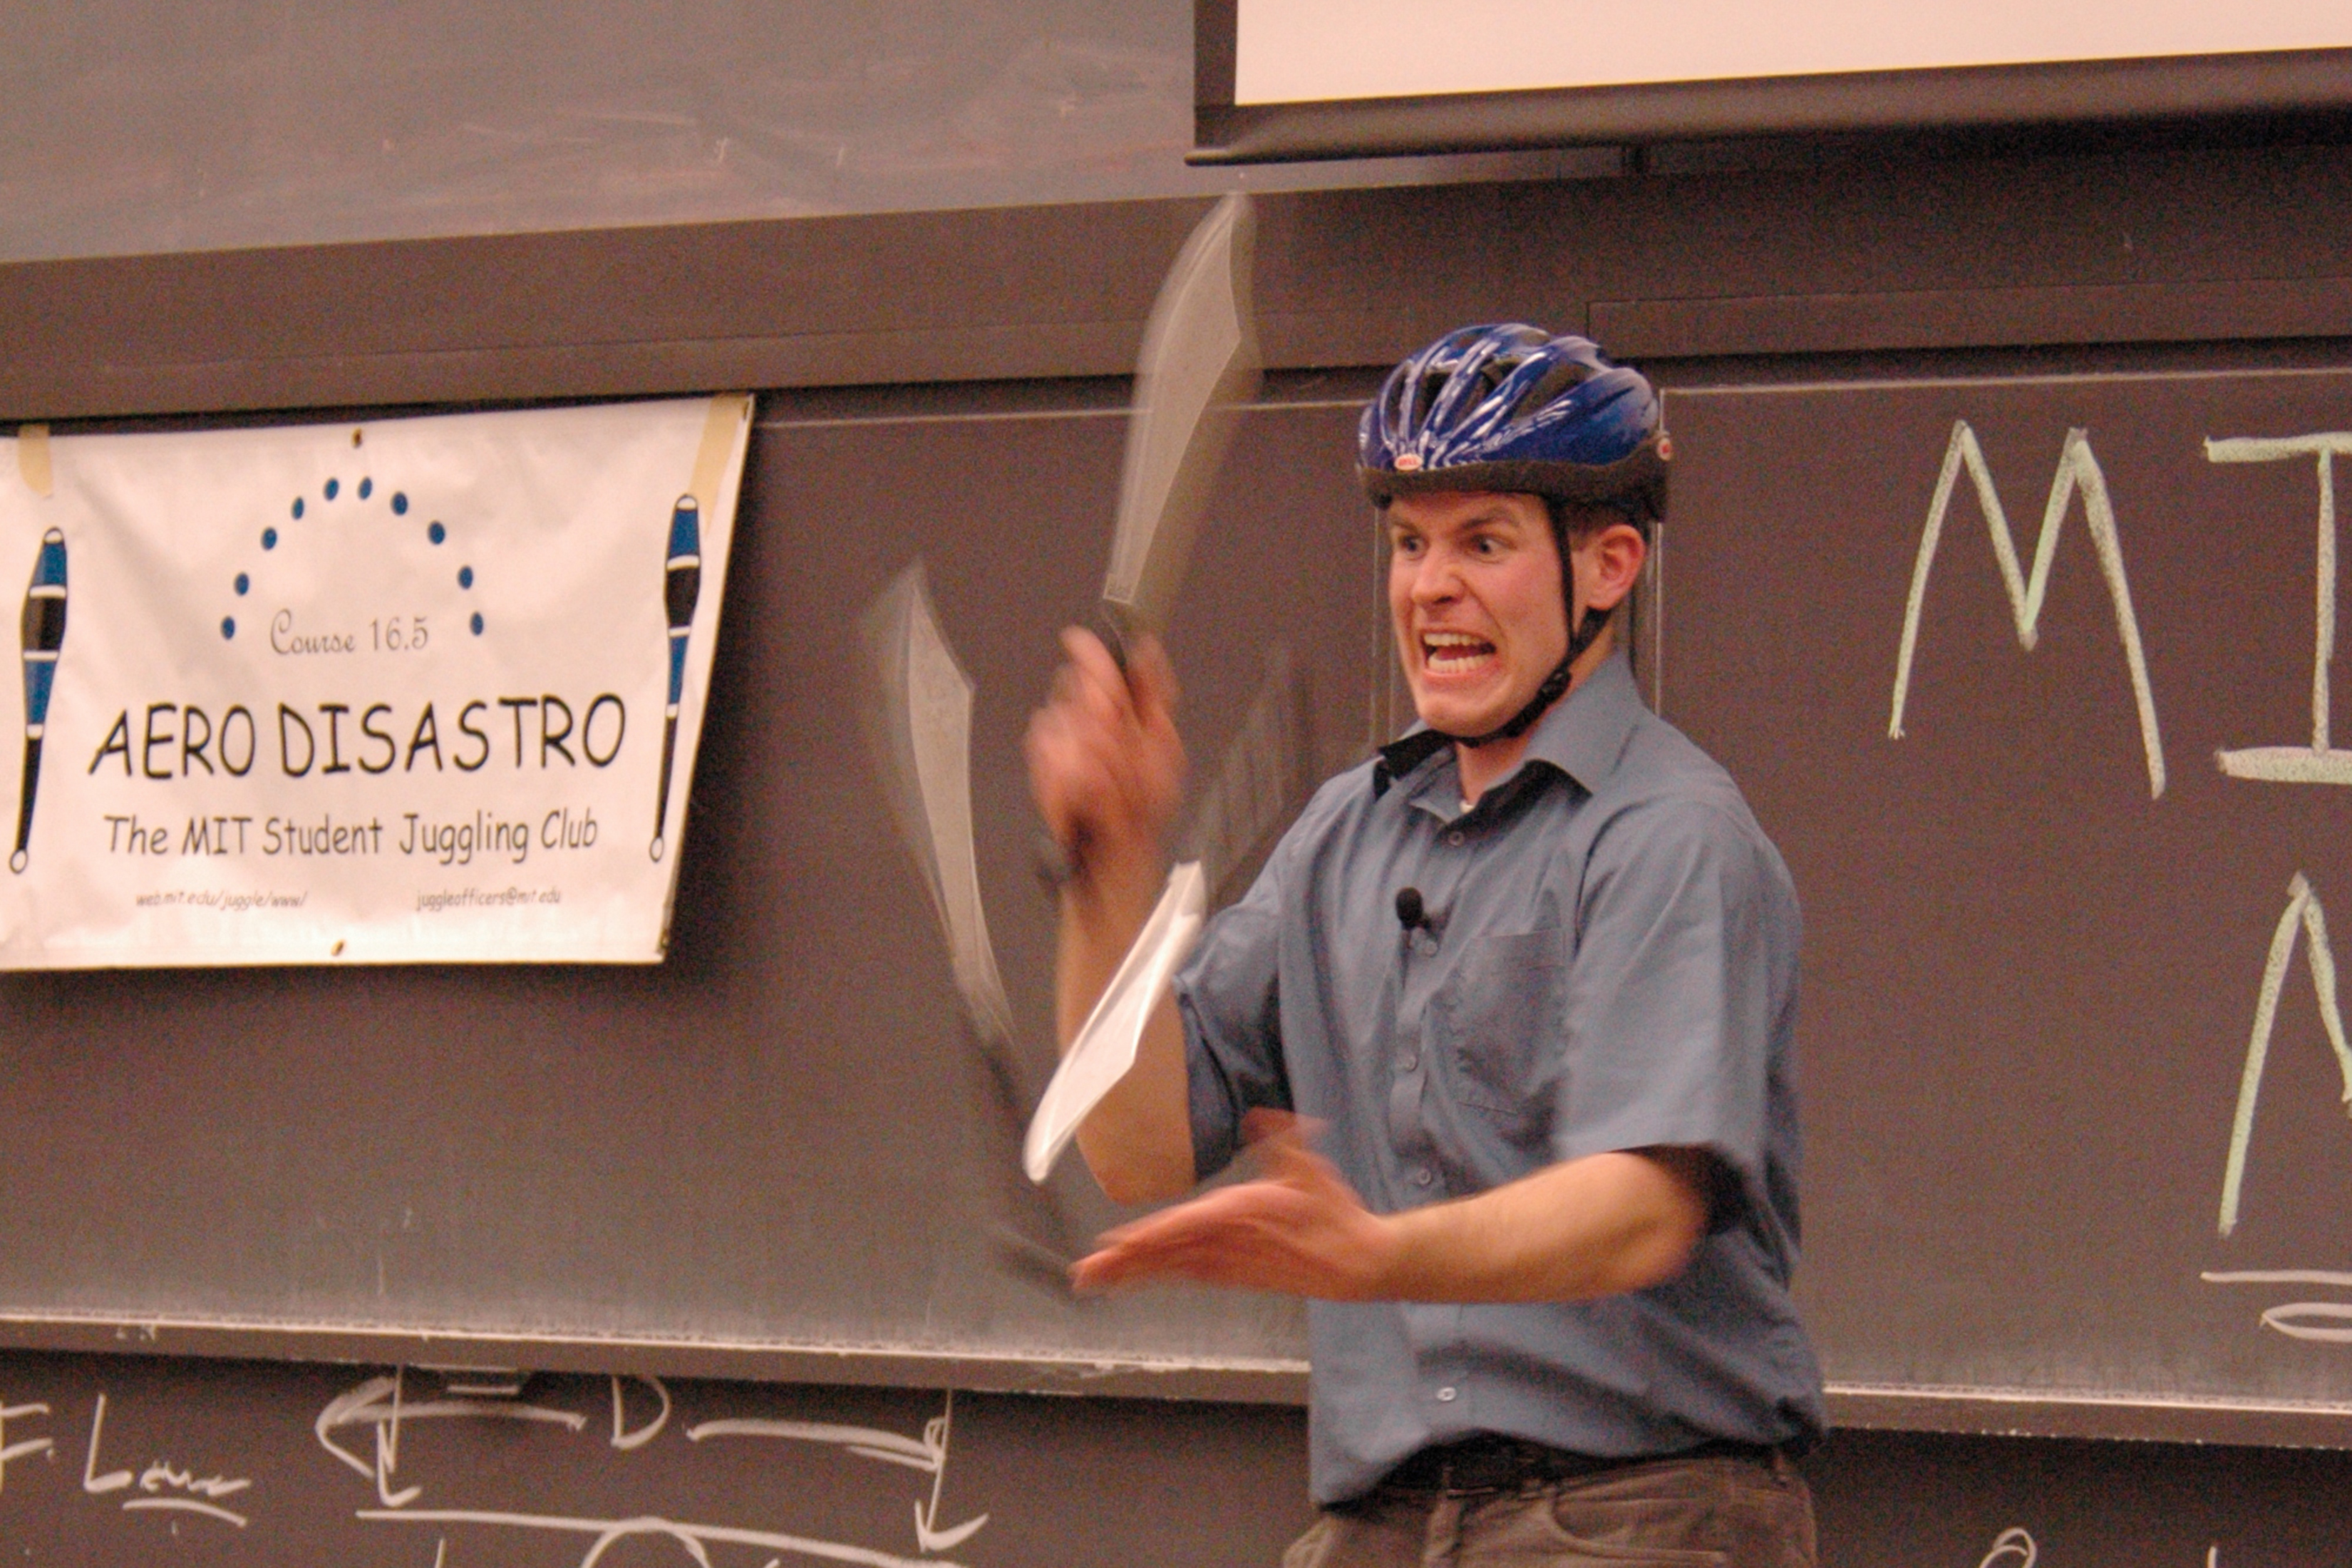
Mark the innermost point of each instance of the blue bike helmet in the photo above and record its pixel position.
(1512, 408)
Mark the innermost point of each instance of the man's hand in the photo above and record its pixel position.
(1105, 761)
(1584, 1228)
(1300, 1230)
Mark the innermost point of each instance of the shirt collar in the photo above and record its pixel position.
(1584, 735)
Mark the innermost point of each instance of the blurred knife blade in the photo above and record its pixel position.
(919, 728)
(924, 754)
(1199, 368)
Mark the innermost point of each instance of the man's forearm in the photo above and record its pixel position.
(1584, 1228)
(1138, 1140)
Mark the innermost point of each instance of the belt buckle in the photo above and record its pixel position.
(1485, 1467)
(1453, 1482)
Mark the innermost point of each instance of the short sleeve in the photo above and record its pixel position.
(1228, 995)
(1682, 980)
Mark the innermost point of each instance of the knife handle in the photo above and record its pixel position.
(1059, 864)
(1116, 625)
(1056, 866)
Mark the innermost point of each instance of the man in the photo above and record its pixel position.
(1527, 982)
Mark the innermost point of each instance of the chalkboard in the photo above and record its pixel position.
(776, 1155)
(2032, 976)
(2038, 923)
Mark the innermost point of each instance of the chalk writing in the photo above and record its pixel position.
(625, 1437)
(381, 1403)
(2078, 468)
(499, 1383)
(161, 1477)
(24, 1448)
(2303, 916)
(605, 1533)
(930, 1456)
(2012, 1545)
(2329, 1322)
(2322, 762)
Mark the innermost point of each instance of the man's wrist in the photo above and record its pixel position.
(1398, 1258)
(1116, 888)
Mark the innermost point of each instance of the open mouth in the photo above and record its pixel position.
(1454, 653)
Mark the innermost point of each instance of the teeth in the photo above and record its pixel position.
(1450, 650)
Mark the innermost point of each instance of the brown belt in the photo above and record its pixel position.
(1488, 1463)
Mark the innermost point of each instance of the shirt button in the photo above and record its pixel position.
(1455, 838)
(1410, 1062)
(1423, 1177)
(1428, 946)
(1447, 1395)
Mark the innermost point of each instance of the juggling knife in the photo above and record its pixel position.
(1198, 369)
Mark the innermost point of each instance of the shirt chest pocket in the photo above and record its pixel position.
(1496, 1022)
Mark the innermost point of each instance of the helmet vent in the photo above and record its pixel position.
(1561, 378)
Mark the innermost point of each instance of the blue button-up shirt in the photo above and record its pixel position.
(1609, 962)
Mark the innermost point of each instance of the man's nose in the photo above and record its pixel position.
(1437, 580)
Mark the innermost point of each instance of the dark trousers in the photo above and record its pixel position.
(1695, 1513)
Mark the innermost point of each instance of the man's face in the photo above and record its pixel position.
(1474, 595)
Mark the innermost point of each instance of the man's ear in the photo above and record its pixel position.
(1609, 562)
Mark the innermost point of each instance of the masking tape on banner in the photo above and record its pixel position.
(33, 458)
(728, 410)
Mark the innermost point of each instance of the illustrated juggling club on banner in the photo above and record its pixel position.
(44, 637)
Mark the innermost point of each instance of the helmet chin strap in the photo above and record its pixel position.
(1547, 694)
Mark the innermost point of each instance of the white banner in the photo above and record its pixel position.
(384, 692)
